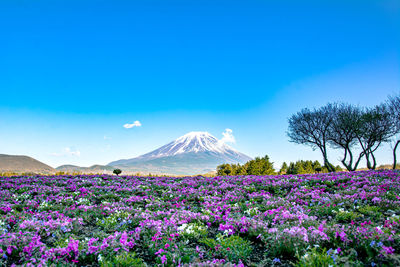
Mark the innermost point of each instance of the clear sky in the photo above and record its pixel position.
(73, 73)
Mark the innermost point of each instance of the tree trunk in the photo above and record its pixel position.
(367, 157)
(351, 158)
(347, 165)
(394, 155)
(373, 160)
(358, 161)
(328, 165)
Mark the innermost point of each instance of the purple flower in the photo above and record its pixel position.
(163, 259)
(276, 260)
(388, 250)
(124, 239)
(160, 251)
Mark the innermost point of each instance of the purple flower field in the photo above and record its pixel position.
(337, 219)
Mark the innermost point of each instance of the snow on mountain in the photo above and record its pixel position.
(192, 149)
(192, 142)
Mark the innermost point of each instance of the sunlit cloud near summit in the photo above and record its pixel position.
(227, 137)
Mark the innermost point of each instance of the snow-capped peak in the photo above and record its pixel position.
(199, 144)
(194, 135)
(196, 142)
(192, 142)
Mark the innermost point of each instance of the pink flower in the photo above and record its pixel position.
(93, 249)
(104, 245)
(388, 250)
(342, 235)
(376, 200)
(166, 246)
(163, 259)
(124, 238)
(160, 251)
(73, 245)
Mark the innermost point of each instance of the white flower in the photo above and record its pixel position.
(182, 227)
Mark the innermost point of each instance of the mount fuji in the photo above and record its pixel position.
(192, 153)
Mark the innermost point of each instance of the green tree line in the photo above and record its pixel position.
(304, 167)
(257, 166)
(263, 166)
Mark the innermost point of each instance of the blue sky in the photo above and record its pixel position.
(72, 73)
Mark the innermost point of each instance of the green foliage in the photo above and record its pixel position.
(372, 211)
(346, 216)
(257, 166)
(304, 167)
(117, 172)
(233, 248)
(260, 166)
(284, 168)
(316, 258)
(338, 168)
(194, 230)
(318, 169)
(225, 169)
(123, 260)
(110, 223)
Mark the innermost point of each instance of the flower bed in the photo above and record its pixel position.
(305, 220)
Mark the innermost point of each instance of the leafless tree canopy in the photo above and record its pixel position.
(376, 128)
(343, 132)
(310, 127)
(344, 126)
(394, 109)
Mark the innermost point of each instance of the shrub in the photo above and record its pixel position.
(123, 260)
(234, 248)
(346, 216)
(317, 258)
(193, 230)
(117, 171)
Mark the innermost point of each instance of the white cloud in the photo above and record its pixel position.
(67, 151)
(227, 137)
(131, 125)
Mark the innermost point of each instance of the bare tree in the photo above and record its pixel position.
(376, 128)
(394, 108)
(343, 132)
(311, 128)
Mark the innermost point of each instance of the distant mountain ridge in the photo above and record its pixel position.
(92, 169)
(23, 164)
(192, 153)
